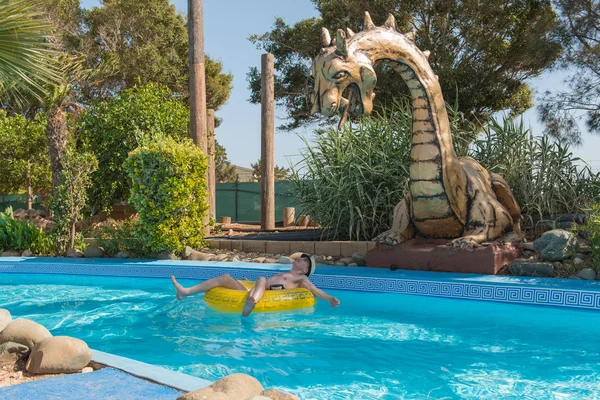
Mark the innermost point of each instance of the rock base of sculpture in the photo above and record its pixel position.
(435, 255)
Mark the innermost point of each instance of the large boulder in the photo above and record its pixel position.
(11, 253)
(556, 245)
(520, 267)
(25, 332)
(58, 355)
(232, 387)
(93, 252)
(195, 255)
(5, 318)
(587, 274)
(123, 254)
(74, 253)
(359, 259)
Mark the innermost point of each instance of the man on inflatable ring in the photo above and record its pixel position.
(297, 277)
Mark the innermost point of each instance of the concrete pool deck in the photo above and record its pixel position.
(103, 384)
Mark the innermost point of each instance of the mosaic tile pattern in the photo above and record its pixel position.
(521, 294)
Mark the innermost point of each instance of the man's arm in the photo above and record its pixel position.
(307, 284)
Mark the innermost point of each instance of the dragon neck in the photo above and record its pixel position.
(431, 140)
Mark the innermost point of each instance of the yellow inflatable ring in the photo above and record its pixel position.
(228, 300)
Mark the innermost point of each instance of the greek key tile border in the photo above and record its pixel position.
(519, 294)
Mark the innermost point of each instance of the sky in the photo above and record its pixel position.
(227, 26)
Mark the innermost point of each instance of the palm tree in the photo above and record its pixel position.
(27, 57)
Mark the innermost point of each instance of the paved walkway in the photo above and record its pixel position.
(104, 384)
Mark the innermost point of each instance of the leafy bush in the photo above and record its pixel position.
(545, 177)
(169, 194)
(111, 129)
(21, 235)
(352, 179)
(115, 236)
(591, 230)
(71, 196)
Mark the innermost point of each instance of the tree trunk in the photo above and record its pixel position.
(56, 134)
(72, 240)
(28, 182)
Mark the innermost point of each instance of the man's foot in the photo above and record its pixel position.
(181, 291)
(248, 306)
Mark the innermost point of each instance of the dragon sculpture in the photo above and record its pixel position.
(449, 197)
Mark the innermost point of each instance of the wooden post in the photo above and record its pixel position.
(197, 81)
(288, 216)
(212, 188)
(267, 150)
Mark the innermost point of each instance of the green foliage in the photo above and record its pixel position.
(23, 151)
(114, 236)
(350, 180)
(591, 230)
(21, 235)
(28, 60)
(70, 197)
(111, 129)
(281, 174)
(169, 194)
(545, 177)
(224, 170)
(580, 34)
(142, 42)
(483, 52)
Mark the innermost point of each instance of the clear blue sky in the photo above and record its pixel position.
(227, 25)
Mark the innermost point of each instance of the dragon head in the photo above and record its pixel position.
(338, 70)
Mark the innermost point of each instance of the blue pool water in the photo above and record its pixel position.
(374, 346)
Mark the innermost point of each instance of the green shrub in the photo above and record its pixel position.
(70, 197)
(169, 194)
(113, 128)
(115, 236)
(591, 230)
(545, 177)
(21, 235)
(352, 179)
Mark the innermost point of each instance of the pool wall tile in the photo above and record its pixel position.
(517, 290)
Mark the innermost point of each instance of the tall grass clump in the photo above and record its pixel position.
(21, 235)
(544, 175)
(352, 178)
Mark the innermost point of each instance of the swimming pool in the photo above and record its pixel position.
(375, 345)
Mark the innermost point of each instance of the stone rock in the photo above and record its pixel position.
(587, 274)
(296, 255)
(11, 253)
(74, 253)
(18, 350)
(235, 259)
(271, 261)
(286, 260)
(579, 255)
(196, 255)
(583, 246)
(165, 255)
(277, 395)
(521, 267)
(346, 260)
(25, 332)
(320, 259)
(57, 355)
(527, 253)
(258, 260)
(123, 254)
(575, 277)
(221, 257)
(93, 252)
(359, 259)
(27, 253)
(5, 318)
(340, 263)
(557, 265)
(567, 225)
(232, 387)
(87, 369)
(353, 265)
(528, 246)
(578, 261)
(556, 245)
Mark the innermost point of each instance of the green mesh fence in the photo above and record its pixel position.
(17, 201)
(241, 200)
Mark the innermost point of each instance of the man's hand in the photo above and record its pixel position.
(334, 302)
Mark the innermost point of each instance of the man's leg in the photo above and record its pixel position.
(254, 296)
(224, 280)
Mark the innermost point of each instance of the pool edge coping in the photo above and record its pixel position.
(162, 376)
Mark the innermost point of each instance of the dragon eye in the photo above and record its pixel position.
(340, 75)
